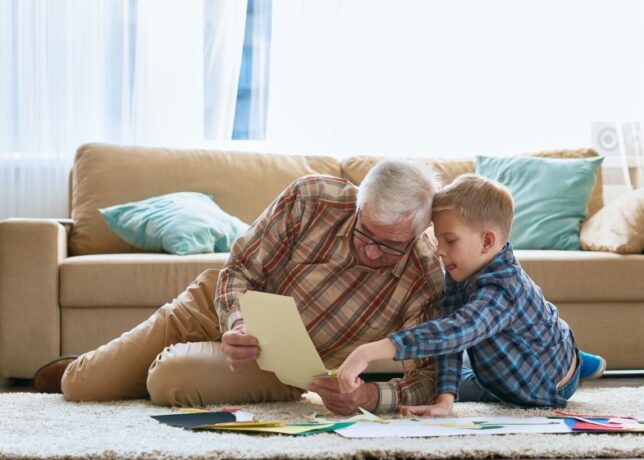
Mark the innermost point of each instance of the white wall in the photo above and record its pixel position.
(452, 78)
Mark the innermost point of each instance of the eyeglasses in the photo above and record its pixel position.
(382, 247)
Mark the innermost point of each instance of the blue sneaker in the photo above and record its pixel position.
(591, 366)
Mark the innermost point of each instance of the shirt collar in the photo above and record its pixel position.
(502, 259)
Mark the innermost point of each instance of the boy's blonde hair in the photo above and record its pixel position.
(479, 201)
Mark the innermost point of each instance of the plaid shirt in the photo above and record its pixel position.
(301, 246)
(518, 346)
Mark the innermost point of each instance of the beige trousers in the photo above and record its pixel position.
(175, 358)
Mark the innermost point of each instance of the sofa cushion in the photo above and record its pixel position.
(355, 169)
(618, 227)
(130, 280)
(580, 276)
(550, 197)
(177, 223)
(242, 184)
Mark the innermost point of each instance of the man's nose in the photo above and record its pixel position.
(372, 251)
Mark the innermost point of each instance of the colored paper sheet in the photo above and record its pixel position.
(604, 425)
(364, 416)
(291, 429)
(286, 348)
(195, 419)
(428, 427)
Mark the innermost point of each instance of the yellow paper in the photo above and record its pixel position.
(284, 429)
(365, 416)
(286, 347)
(241, 425)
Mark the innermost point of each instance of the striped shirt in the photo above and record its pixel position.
(518, 346)
(301, 246)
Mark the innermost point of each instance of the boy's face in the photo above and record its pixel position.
(464, 250)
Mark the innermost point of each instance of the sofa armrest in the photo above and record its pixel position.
(30, 253)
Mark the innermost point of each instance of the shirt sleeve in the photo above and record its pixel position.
(487, 312)
(450, 372)
(418, 384)
(264, 248)
(450, 367)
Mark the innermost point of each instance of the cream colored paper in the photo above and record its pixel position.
(286, 347)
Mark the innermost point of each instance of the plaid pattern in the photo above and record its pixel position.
(518, 346)
(301, 247)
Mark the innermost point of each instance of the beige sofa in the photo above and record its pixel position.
(66, 288)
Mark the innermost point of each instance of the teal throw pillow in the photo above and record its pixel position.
(550, 197)
(178, 223)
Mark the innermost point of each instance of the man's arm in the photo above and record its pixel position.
(264, 248)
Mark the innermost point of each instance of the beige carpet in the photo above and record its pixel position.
(38, 426)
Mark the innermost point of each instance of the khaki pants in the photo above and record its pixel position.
(175, 358)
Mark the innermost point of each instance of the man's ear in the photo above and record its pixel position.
(489, 240)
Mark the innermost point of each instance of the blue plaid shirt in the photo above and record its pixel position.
(518, 346)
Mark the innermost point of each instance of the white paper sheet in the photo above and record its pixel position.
(286, 347)
(427, 427)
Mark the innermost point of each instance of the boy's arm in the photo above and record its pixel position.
(450, 371)
(448, 381)
(442, 407)
(358, 360)
(488, 311)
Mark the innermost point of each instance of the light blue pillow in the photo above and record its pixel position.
(550, 197)
(178, 223)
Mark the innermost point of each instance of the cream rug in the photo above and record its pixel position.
(45, 426)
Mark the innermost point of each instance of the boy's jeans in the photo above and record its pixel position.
(472, 391)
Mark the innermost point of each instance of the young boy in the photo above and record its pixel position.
(521, 352)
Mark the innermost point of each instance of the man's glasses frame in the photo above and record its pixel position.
(382, 247)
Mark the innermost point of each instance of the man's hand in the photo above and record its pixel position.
(442, 407)
(365, 396)
(239, 348)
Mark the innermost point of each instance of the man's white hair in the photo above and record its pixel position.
(397, 190)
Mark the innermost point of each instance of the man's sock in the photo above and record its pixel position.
(592, 366)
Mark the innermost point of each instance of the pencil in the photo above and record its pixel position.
(331, 373)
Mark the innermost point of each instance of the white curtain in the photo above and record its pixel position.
(452, 77)
(120, 71)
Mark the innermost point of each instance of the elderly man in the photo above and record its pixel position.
(356, 261)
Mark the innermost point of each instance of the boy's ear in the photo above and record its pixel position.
(489, 239)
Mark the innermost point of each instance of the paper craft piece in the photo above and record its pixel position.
(195, 419)
(454, 426)
(365, 416)
(240, 415)
(485, 425)
(604, 425)
(601, 423)
(286, 348)
(297, 429)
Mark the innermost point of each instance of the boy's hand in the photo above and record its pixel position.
(358, 360)
(350, 369)
(442, 407)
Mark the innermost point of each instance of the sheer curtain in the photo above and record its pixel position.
(451, 78)
(121, 71)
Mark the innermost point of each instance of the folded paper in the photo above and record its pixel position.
(286, 347)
